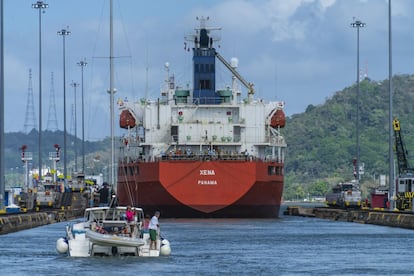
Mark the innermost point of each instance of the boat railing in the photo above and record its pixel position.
(114, 223)
(117, 227)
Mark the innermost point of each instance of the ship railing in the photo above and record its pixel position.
(201, 157)
(186, 100)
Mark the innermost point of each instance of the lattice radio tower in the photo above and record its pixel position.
(30, 118)
(52, 123)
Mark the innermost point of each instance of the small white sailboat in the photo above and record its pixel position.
(105, 231)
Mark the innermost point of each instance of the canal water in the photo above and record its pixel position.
(284, 246)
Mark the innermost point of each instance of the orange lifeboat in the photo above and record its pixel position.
(278, 119)
(126, 120)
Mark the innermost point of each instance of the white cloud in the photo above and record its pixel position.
(327, 3)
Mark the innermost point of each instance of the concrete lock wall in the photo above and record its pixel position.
(385, 218)
(13, 223)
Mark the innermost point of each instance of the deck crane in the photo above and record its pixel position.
(405, 178)
(248, 85)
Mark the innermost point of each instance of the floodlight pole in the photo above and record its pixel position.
(75, 148)
(40, 5)
(82, 64)
(64, 33)
(357, 24)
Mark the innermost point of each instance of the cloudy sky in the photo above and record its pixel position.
(297, 51)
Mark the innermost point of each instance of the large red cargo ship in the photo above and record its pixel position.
(203, 152)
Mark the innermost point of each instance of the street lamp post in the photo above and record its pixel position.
(64, 33)
(357, 24)
(82, 64)
(40, 5)
(74, 85)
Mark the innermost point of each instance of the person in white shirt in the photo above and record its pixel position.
(153, 228)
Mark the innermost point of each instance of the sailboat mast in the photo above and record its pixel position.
(111, 92)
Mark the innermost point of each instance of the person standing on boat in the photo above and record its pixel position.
(130, 217)
(129, 214)
(103, 195)
(145, 227)
(153, 228)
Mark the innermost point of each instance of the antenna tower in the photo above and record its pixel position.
(30, 118)
(52, 124)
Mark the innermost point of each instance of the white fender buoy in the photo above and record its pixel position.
(165, 249)
(61, 246)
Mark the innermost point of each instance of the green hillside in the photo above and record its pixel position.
(322, 140)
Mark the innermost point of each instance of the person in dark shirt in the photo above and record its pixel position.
(104, 195)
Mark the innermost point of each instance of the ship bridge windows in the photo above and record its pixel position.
(204, 52)
(204, 68)
(204, 84)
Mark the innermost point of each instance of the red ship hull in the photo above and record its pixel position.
(203, 189)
